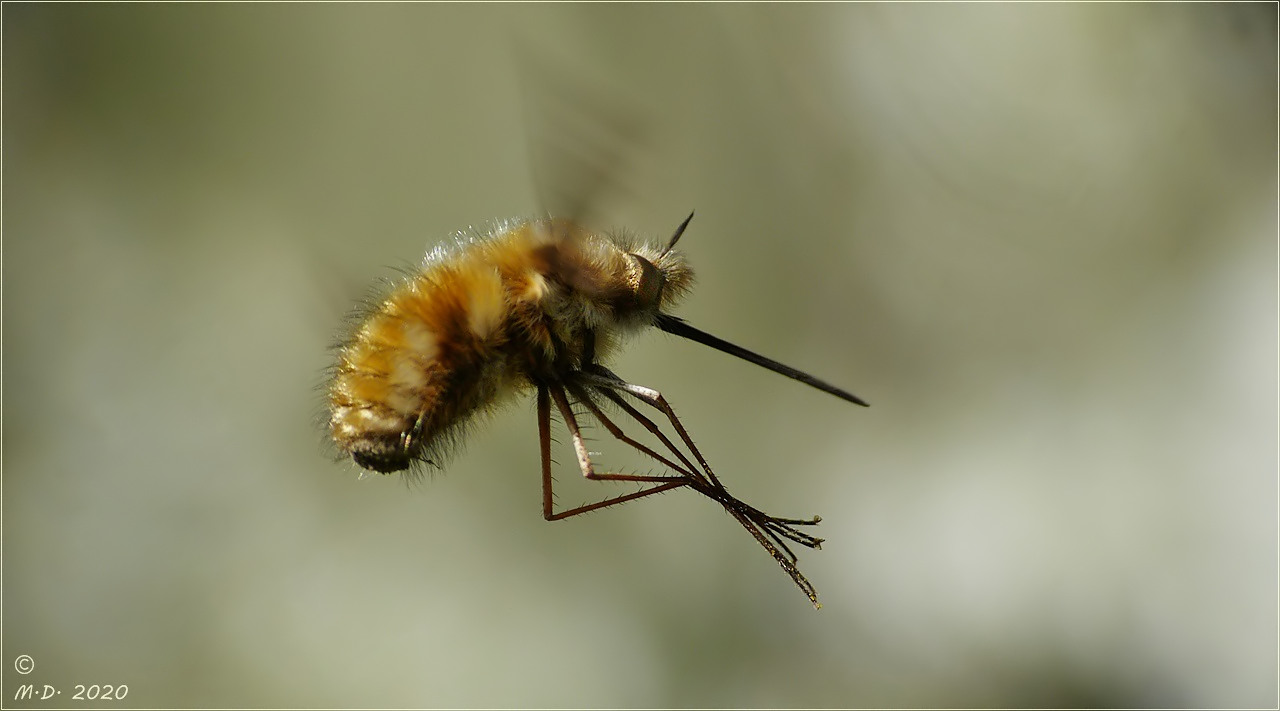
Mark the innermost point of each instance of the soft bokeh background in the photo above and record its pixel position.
(1040, 239)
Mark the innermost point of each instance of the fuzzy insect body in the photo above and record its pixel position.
(534, 305)
(486, 318)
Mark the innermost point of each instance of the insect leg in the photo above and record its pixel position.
(760, 525)
(556, 391)
(733, 506)
(786, 561)
(686, 467)
(714, 491)
(608, 380)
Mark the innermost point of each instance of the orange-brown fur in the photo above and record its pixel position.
(484, 319)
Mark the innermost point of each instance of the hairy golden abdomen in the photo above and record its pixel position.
(450, 342)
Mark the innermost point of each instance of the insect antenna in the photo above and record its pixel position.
(677, 326)
(676, 237)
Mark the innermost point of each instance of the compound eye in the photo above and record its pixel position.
(647, 280)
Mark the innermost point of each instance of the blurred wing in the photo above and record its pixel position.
(583, 139)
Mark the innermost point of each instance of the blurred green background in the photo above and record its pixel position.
(1039, 239)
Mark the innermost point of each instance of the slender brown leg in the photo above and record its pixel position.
(664, 483)
(714, 491)
(606, 378)
(655, 399)
(760, 525)
(649, 425)
(544, 450)
(786, 561)
(686, 468)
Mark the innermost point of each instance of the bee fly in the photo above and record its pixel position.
(534, 305)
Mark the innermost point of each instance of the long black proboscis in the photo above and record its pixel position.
(678, 327)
